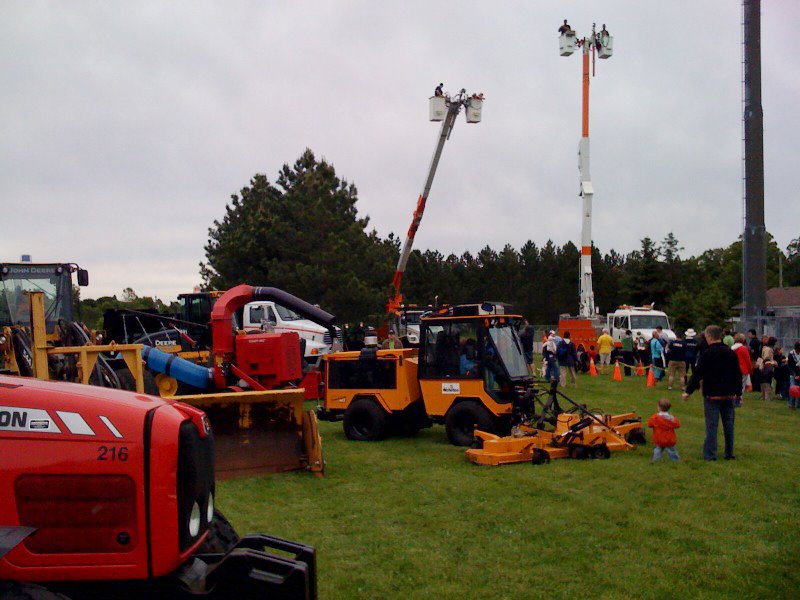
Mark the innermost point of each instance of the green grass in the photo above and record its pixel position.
(411, 518)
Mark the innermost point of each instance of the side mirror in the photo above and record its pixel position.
(83, 277)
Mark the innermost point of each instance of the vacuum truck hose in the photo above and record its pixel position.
(181, 369)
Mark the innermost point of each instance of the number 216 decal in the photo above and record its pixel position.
(112, 453)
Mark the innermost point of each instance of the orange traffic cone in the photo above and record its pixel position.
(640, 370)
(617, 372)
(592, 368)
(651, 378)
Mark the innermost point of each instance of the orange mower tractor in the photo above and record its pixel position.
(544, 431)
(470, 375)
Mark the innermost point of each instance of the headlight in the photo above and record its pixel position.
(194, 520)
(210, 509)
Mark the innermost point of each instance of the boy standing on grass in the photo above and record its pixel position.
(664, 426)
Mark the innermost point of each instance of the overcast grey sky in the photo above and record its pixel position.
(125, 126)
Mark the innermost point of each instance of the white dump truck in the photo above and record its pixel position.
(641, 320)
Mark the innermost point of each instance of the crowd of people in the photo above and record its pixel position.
(723, 364)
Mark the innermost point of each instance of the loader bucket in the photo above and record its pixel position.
(261, 432)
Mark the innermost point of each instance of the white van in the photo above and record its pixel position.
(272, 317)
(641, 320)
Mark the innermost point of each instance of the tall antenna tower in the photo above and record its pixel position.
(754, 238)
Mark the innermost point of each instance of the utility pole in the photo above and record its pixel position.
(754, 239)
(603, 44)
(443, 108)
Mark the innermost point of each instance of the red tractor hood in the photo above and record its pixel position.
(49, 408)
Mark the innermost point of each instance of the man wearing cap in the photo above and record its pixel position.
(438, 91)
(392, 342)
(718, 370)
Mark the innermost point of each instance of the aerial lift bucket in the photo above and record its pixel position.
(260, 432)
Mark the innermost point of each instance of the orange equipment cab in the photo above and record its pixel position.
(469, 372)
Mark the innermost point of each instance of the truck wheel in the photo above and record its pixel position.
(221, 536)
(127, 381)
(27, 591)
(463, 419)
(364, 421)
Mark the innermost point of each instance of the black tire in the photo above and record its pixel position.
(127, 382)
(601, 451)
(27, 591)
(364, 421)
(464, 418)
(221, 536)
(540, 457)
(636, 437)
(579, 452)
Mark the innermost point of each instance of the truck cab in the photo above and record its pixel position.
(275, 318)
(641, 320)
(407, 321)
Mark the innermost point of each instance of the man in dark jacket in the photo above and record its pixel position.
(718, 369)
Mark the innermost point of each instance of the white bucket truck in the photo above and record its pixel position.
(641, 320)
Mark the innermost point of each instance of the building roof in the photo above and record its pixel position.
(779, 297)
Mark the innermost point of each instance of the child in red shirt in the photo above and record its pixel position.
(664, 426)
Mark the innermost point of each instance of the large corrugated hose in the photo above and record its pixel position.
(301, 307)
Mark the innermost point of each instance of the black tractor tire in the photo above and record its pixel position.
(27, 591)
(221, 536)
(127, 382)
(464, 418)
(540, 457)
(364, 421)
(600, 451)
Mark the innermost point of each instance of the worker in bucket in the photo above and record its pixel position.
(438, 92)
(565, 28)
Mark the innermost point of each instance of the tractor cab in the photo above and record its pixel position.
(473, 342)
(55, 280)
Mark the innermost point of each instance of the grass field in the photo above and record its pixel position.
(411, 518)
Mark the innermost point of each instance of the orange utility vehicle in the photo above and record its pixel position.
(468, 373)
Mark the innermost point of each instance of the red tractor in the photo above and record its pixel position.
(106, 493)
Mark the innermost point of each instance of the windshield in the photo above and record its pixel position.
(18, 279)
(411, 318)
(287, 314)
(649, 321)
(509, 349)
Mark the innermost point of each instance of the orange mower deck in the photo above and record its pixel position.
(574, 436)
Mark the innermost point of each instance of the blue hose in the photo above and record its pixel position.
(181, 369)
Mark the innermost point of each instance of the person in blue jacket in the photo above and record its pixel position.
(657, 354)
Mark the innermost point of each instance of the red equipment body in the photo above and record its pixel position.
(264, 360)
(103, 489)
(91, 468)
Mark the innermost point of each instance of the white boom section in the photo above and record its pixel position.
(587, 306)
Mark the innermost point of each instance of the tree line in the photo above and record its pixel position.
(303, 234)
